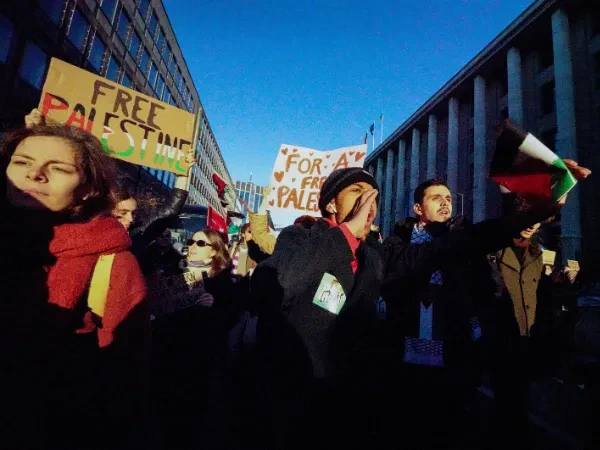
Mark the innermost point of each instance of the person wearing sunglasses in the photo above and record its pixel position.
(197, 342)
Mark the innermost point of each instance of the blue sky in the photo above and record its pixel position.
(317, 73)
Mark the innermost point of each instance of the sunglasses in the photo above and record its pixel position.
(199, 243)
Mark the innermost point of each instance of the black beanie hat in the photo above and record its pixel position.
(339, 180)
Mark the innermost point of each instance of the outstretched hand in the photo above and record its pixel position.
(34, 118)
(580, 173)
(267, 191)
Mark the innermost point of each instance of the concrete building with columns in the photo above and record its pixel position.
(542, 71)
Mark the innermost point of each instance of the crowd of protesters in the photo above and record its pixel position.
(112, 338)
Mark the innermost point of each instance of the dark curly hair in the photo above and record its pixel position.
(420, 191)
(98, 171)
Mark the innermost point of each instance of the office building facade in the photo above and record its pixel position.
(130, 42)
(251, 194)
(542, 72)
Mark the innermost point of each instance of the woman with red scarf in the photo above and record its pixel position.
(72, 377)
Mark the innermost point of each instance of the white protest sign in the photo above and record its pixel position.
(297, 177)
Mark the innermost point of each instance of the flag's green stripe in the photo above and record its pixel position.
(562, 180)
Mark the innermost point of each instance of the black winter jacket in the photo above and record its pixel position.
(308, 341)
(154, 226)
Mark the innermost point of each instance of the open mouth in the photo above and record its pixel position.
(34, 192)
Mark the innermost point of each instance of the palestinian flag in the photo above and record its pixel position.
(216, 221)
(524, 165)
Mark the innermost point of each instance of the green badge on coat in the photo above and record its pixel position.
(330, 294)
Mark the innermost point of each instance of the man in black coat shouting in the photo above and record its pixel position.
(318, 330)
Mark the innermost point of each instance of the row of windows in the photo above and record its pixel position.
(34, 64)
(131, 38)
(79, 30)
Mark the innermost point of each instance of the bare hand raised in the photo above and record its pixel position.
(360, 222)
(580, 173)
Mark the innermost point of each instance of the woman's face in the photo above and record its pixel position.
(43, 174)
(198, 253)
(125, 212)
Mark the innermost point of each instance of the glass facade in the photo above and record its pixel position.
(116, 39)
(53, 9)
(97, 53)
(108, 8)
(78, 30)
(6, 34)
(251, 194)
(33, 65)
(112, 71)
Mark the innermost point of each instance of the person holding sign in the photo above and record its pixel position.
(520, 302)
(55, 185)
(126, 205)
(323, 350)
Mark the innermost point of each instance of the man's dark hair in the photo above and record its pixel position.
(420, 191)
(244, 228)
(305, 222)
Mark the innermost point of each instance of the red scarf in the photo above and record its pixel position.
(76, 247)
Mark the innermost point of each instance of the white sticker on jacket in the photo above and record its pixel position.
(330, 294)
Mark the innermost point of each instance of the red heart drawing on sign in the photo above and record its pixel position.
(293, 179)
(271, 202)
(295, 150)
(325, 167)
(310, 154)
(327, 156)
(278, 176)
(358, 156)
(284, 151)
(351, 153)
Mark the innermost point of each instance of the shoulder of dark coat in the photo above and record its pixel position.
(403, 228)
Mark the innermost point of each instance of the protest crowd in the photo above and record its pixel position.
(114, 338)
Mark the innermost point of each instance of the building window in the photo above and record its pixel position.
(6, 33)
(144, 61)
(33, 65)
(548, 93)
(172, 66)
(143, 8)
(123, 26)
(53, 9)
(153, 25)
(167, 96)
(160, 85)
(160, 39)
(78, 30)
(112, 73)
(97, 53)
(152, 76)
(134, 46)
(126, 81)
(108, 7)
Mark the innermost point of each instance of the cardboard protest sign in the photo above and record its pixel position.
(169, 294)
(297, 177)
(573, 265)
(548, 257)
(131, 126)
(524, 165)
